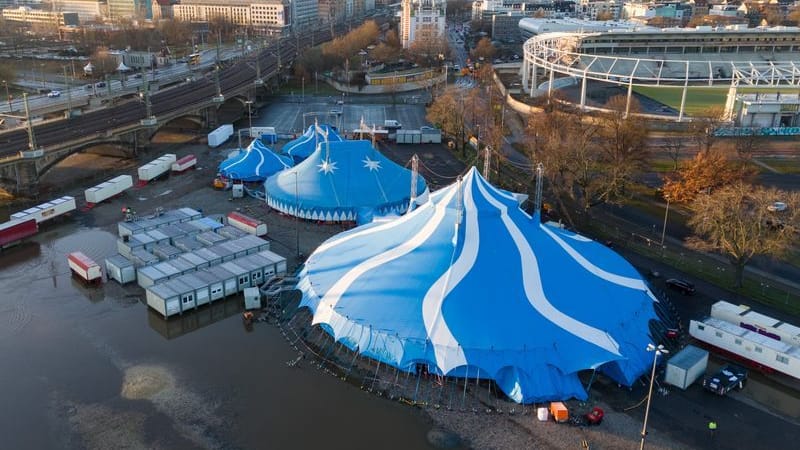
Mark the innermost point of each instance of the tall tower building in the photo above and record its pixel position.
(422, 19)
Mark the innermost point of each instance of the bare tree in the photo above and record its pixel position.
(704, 127)
(673, 147)
(738, 222)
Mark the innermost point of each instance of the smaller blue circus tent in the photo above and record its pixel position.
(255, 163)
(342, 181)
(302, 147)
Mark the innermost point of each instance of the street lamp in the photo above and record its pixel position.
(658, 350)
(249, 115)
(666, 214)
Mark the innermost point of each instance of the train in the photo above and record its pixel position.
(763, 342)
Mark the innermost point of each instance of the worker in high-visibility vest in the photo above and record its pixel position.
(712, 428)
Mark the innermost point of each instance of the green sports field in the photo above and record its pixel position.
(698, 98)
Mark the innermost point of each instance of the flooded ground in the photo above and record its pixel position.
(85, 367)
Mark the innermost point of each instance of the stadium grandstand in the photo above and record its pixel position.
(665, 64)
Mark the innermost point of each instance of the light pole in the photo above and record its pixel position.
(303, 92)
(249, 117)
(666, 214)
(8, 96)
(660, 350)
(297, 217)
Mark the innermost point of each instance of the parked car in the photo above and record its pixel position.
(52, 94)
(138, 75)
(682, 286)
(88, 87)
(777, 207)
(101, 84)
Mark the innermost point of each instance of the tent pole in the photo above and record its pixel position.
(416, 388)
(375, 377)
(464, 395)
(589, 386)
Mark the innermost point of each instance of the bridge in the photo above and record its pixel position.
(127, 124)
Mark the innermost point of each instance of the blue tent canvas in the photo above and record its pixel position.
(340, 180)
(470, 285)
(302, 147)
(255, 163)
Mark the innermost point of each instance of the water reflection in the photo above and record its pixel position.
(177, 326)
(25, 252)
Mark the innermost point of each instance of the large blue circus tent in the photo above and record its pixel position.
(342, 181)
(469, 285)
(302, 147)
(255, 163)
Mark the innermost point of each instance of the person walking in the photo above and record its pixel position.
(712, 428)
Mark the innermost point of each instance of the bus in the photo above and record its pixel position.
(194, 58)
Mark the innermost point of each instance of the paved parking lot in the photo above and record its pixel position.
(294, 117)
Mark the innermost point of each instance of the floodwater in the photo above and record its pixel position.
(92, 367)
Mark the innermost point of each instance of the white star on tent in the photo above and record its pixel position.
(327, 166)
(371, 165)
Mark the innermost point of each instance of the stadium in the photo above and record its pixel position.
(677, 71)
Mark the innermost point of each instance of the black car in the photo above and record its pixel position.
(683, 286)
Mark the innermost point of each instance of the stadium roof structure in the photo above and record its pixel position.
(255, 163)
(469, 285)
(343, 181)
(302, 147)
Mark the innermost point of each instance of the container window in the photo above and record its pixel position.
(718, 333)
(759, 349)
(782, 359)
(738, 341)
(701, 327)
(242, 280)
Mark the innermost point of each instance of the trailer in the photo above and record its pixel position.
(247, 223)
(184, 164)
(745, 317)
(220, 135)
(47, 211)
(430, 135)
(108, 189)
(266, 134)
(686, 367)
(759, 351)
(156, 168)
(14, 231)
(84, 267)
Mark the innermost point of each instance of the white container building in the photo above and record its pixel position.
(166, 252)
(187, 244)
(220, 135)
(196, 260)
(142, 258)
(205, 224)
(84, 267)
(185, 163)
(108, 189)
(129, 243)
(230, 232)
(686, 367)
(47, 211)
(121, 269)
(189, 291)
(209, 255)
(156, 168)
(171, 217)
(209, 238)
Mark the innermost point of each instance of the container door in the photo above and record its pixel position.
(187, 301)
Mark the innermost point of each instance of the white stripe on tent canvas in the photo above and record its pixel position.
(446, 348)
(534, 291)
(325, 311)
(593, 269)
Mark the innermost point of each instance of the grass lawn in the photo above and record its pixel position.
(698, 98)
(783, 165)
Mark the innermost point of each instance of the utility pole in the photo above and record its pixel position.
(69, 94)
(219, 44)
(219, 98)
(149, 119)
(31, 135)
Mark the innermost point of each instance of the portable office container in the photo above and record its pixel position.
(108, 189)
(141, 241)
(253, 244)
(14, 231)
(234, 248)
(247, 223)
(225, 253)
(173, 297)
(255, 265)
(187, 244)
(141, 258)
(215, 282)
(242, 274)
(84, 267)
(121, 269)
(686, 367)
(47, 211)
(278, 261)
(166, 252)
(196, 260)
(159, 238)
(167, 269)
(205, 224)
(211, 257)
(182, 266)
(185, 228)
(149, 275)
(230, 232)
(210, 238)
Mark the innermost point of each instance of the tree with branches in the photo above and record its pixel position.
(447, 112)
(705, 125)
(739, 222)
(705, 173)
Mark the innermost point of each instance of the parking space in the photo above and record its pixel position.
(288, 118)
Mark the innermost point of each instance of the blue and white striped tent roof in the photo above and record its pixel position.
(255, 163)
(340, 181)
(302, 147)
(472, 286)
